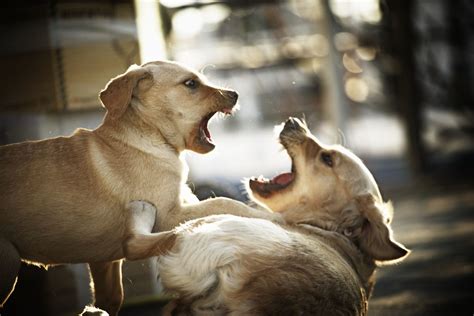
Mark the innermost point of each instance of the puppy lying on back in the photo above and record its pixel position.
(63, 199)
(321, 263)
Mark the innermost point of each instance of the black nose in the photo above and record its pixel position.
(233, 95)
(292, 123)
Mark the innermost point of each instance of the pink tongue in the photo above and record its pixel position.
(283, 178)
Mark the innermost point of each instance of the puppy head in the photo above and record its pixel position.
(324, 189)
(321, 175)
(170, 98)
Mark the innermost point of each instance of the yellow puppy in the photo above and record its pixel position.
(63, 199)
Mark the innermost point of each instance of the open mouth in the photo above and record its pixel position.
(267, 187)
(204, 133)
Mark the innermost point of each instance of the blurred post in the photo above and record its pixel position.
(150, 36)
(401, 14)
(335, 98)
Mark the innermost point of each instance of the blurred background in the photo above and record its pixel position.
(390, 79)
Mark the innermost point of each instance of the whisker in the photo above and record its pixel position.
(244, 192)
(303, 119)
(341, 138)
(205, 67)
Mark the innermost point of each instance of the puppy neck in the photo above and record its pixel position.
(362, 265)
(131, 131)
(164, 124)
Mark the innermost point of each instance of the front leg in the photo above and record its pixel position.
(107, 285)
(213, 206)
(139, 242)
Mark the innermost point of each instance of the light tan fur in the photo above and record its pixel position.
(93, 311)
(322, 262)
(343, 198)
(63, 199)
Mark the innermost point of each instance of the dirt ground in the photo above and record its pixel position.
(437, 277)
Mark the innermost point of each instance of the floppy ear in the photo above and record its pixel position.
(375, 237)
(117, 94)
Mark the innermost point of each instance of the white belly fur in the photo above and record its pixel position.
(213, 250)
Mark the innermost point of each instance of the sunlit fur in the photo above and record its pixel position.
(341, 198)
(93, 311)
(63, 199)
(316, 184)
(321, 263)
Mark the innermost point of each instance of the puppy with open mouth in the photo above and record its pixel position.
(64, 199)
(322, 262)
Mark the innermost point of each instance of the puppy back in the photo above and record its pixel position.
(310, 278)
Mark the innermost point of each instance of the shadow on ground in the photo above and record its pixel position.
(437, 277)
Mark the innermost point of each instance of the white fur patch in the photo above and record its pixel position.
(212, 251)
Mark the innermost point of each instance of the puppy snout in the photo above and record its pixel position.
(293, 124)
(294, 131)
(232, 95)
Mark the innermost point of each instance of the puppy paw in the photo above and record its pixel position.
(140, 206)
(142, 216)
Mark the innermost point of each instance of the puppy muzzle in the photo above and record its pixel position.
(294, 132)
(226, 101)
(233, 96)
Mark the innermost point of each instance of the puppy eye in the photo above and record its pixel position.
(191, 83)
(327, 159)
(348, 232)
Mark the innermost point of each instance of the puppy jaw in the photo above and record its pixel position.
(279, 192)
(210, 99)
(200, 139)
